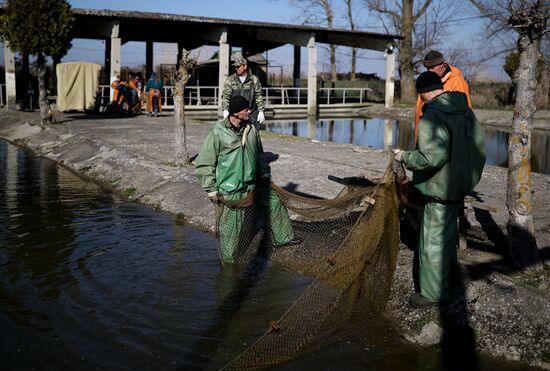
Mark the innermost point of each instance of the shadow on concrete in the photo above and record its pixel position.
(270, 157)
(292, 187)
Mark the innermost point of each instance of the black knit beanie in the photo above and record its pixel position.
(237, 103)
(428, 81)
(433, 58)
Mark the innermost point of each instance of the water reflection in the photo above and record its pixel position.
(91, 281)
(385, 134)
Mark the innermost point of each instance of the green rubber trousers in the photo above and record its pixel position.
(236, 226)
(437, 249)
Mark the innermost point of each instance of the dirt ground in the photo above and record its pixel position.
(500, 311)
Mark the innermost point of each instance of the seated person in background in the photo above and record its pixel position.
(119, 87)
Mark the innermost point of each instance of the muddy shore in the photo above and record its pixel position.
(498, 311)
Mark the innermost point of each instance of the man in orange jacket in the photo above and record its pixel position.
(450, 76)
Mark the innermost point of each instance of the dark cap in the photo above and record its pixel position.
(237, 103)
(428, 81)
(433, 58)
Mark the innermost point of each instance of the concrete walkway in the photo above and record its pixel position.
(135, 156)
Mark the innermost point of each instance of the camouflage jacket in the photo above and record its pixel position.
(251, 89)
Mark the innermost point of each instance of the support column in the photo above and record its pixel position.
(312, 78)
(55, 61)
(148, 59)
(9, 62)
(115, 54)
(23, 83)
(297, 62)
(179, 55)
(390, 75)
(223, 68)
(107, 69)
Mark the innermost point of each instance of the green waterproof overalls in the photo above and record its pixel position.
(231, 165)
(447, 164)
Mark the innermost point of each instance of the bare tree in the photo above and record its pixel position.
(528, 19)
(317, 12)
(182, 76)
(420, 28)
(471, 64)
(349, 6)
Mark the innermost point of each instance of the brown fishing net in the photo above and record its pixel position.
(346, 245)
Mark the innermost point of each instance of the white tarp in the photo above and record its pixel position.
(77, 84)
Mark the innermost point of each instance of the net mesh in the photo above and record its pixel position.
(346, 245)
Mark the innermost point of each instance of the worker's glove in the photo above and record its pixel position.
(398, 154)
(261, 117)
(225, 114)
(213, 196)
(265, 179)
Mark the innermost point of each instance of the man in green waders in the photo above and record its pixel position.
(446, 164)
(230, 165)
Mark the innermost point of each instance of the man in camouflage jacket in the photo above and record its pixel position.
(247, 85)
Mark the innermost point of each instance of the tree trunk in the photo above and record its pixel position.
(334, 71)
(353, 62)
(45, 115)
(353, 50)
(182, 156)
(521, 231)
(406, 65)
(542, 88)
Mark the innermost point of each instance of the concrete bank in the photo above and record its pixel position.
(508, 313)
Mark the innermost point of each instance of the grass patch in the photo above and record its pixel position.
(128, 192)
(179, 219)
(269, 134)
(169, 164)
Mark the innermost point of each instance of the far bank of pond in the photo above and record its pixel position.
(385, 134)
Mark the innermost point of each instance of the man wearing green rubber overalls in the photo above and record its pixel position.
(230, 165)
(446, 164)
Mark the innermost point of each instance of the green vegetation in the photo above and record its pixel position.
(180, 219)
(169, 164)
(269, 134)
(128, 192)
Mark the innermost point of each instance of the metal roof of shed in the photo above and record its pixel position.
(193, 31)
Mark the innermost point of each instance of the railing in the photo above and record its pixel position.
(208, 95)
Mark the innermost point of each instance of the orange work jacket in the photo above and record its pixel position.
(452, 81)
(116, 97)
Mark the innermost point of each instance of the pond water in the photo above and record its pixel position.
(385, 133)
(90, 281)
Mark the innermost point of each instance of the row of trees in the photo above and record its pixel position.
(42, 28)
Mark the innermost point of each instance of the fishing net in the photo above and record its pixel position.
(346, 245)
